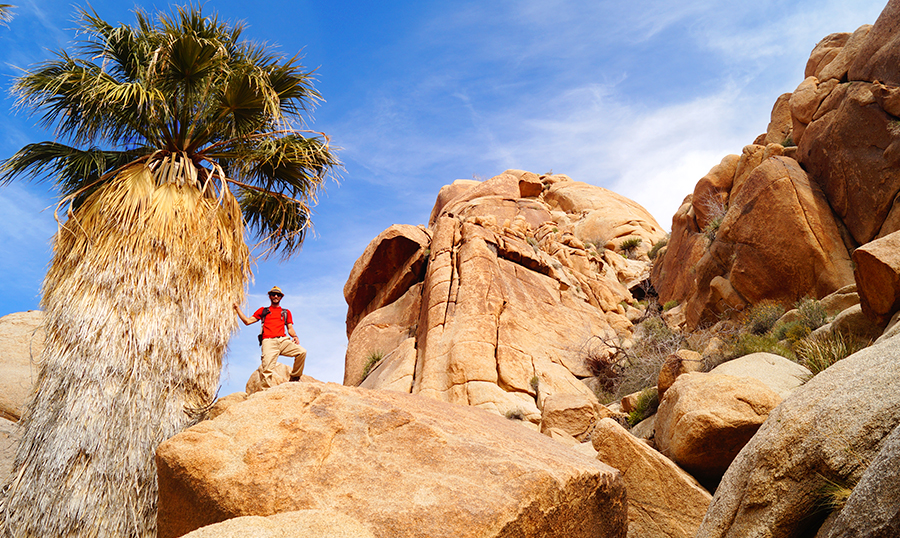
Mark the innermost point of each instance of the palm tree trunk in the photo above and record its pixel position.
(137, 303)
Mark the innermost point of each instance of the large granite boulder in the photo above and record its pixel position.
(402, 465)
(663, 500)
(778, 241)
(520, 272)
(21, 344)
(873, 509)
(828, 429)
(312, 523)
(781, 375)
(705, 419)
(877, 275)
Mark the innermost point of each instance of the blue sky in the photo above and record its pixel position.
(641, 97)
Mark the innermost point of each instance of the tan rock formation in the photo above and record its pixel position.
(21, 344)
(781, 375)
(282, 373)
(837, 149)
(574, 414)
(877, 274)
(317, 523)
(400, 464)
(704, 420)
(663, 500)
(832, 427)
(515, 283)
(391, 264)
(824, 52)
(681, 362)
(878, 56)
(778, 241)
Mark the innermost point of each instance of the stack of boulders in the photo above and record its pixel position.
(495, 302)
(779, 221)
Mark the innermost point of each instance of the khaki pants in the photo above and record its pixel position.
(272, 348)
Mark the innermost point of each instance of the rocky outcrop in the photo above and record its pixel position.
(777, 240)
(21, 344)
(663, 500)
(846, 181)
(830, 428)
(704, 420)
(402, 465)
(520, 271)
(877, 275)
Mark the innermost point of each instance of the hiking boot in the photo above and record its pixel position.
(294, 378)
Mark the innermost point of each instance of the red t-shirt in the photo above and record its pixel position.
(273, 325)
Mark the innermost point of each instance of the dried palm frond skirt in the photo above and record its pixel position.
(137, 306)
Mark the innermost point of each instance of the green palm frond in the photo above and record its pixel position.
(276, 218)
(185, 84)
(6, 13)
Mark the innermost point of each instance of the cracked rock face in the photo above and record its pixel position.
(520, 271)
(398, 464)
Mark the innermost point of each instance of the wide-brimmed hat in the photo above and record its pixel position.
(276, 289)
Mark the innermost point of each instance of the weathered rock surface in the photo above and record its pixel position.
(777, 241)
(873, 509)
(781, 375)
(391, 263)
(282, 373)
(877, 274)
(313, 523)
(704, 420)
(21, 341)
(574, 414)
(663, 500)
(9, 442)
(400, 464)
(521, 271)
(830, 427)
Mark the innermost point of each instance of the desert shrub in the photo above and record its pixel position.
(657, 247)
(832, 495)
(716, 207)
(515, 414)
(792, 331)
(670, 305)
(631, 243)
(623, 371)
(748, 342)
(371, 360)
(788, 141)
(646, 405)
(761, 317)
(821, 351)
(812, 313)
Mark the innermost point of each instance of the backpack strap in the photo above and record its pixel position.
(262, 321)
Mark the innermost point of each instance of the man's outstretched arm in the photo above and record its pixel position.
(246, 319)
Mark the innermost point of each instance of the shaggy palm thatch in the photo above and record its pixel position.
(152, 254)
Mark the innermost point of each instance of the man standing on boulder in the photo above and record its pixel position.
(273, 340)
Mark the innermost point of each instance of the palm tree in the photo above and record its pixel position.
(6, 13)
(171, 136)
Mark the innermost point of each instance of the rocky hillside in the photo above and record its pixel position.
(478, 346)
